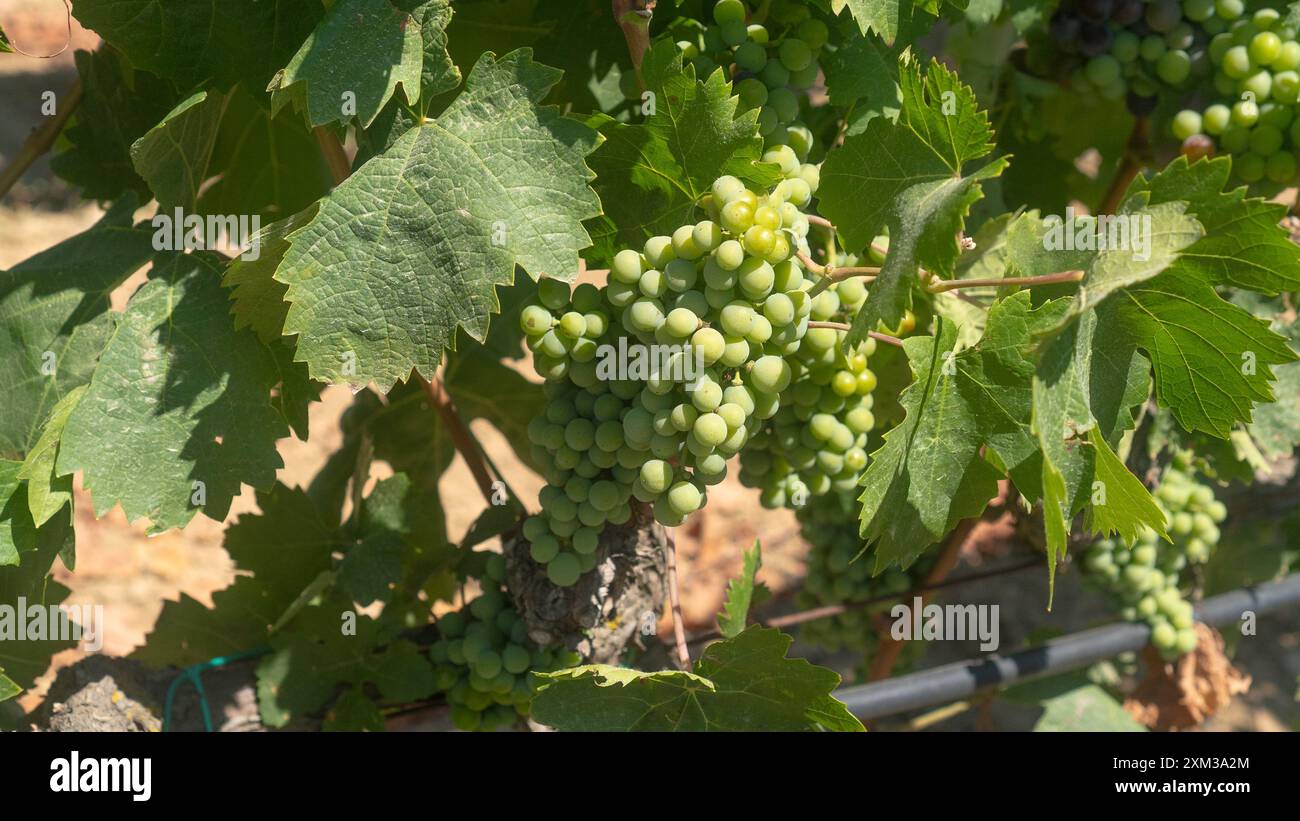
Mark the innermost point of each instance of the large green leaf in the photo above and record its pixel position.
(863, 73)
(119, 105)
(580, 37)
(179, 411)
(26, 555)
(311, 662)
(285, 545)
(651, 175)
(744, 683)
(196, 41)
(54, 315)
(1243, 244)
(173, 157)
(1276, 426)
(928, 475)
(908, 176)
(258, 299)
(420, 237)
(47, 490)
(1211, 358)
(263, 165)
(1088, 379)
(352, 64)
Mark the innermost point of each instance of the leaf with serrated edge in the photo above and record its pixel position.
(740, 684)
(928, 474)
(54, 310)
(47, 490)
(1128, 507)
(1199, 346)
(742, 593)
(173, 156)
(908, 176)
(362, 48)
(183, 397)
(403, 253)
(194, 41)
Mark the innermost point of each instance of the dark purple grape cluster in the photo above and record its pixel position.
(1128, 49)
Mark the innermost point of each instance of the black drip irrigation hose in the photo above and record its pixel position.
(953, 682)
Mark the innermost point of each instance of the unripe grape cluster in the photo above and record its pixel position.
(775, 63)
(1132, 48)
(716, 309)
(830, 526)
(1257, 78)
(817, 441)
(1247, 62)
(1145, 579)
(483, 658)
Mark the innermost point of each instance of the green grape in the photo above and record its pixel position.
(681, 323)
(1236, 62)
(751, 56)
(1186, 123)
(795, 54)
(1174, 66)
(1102, 70)
(535, 320)
(1216, 118)
(729, 11)
(1229, 9)
(1264, 48)
(770, 374)
(1281, 167)
(564, 570)
(684, 498)
(1250, 167)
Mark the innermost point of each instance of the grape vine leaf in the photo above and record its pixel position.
(258, 299)
(438, 73)
(118, 106)
(1088, 378)
(198, 41)
(26, 555)
(267, 167)
(863, 73)
(173, 157)
(651, 175)
(908, 176)
(928, 475)
(353, 63)
(743, 593)
(744, 683)
(1211, 359)
(285, 547)
(354, 712)
(54, 311)
(5, 47)
(372, 564)
(420, 236)
(183, 397)
(1127, 506)
(1244, 244)
(312, 659)
(890, 17)
(1276, 426)
(47, 490)
(1071, 703)
(578, 36)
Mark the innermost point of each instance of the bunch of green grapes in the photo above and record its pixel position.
(1133, 48)
(817, 440)
(1257, 75)
(775, 63)
(830, 526)
(1145, 579)
(715, 310)
(483, 659)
